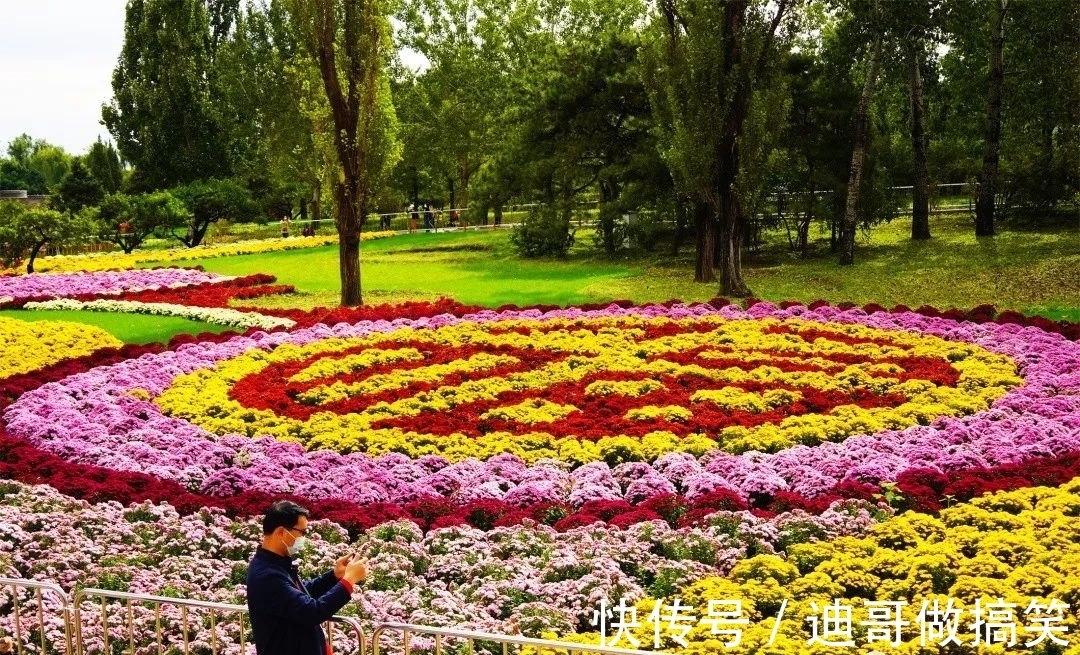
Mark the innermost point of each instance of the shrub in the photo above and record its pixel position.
(545, 232)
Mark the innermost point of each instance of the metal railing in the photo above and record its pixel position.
(193, 614)
(467, 638)
(40, 591)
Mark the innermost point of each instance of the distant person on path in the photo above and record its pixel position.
(285, 223)
(414, 216)
(286, 613)
(429, 217)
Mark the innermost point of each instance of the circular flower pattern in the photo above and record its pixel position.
(937, 394)
(463, 388)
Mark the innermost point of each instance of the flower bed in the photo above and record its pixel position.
(591, 453)
(106, 261)
(66, 285)
(214, 315)
(28, 347)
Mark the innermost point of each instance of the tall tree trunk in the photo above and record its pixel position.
(858, 158)
(353, 108)
(609, 216)
(920, 208)
(732, 221)
(984, 204)
(415, 187)
(732, 230)
(348, 227)
(349, 265)
(450, 187)
(705, 229)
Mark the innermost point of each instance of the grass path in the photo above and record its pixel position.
(129, 328)
(1034, 271)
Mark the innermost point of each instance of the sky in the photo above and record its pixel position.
(56, 63)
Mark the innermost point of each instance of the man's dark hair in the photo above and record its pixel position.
(283, 514)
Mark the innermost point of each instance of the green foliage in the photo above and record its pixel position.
(163, 113)
(25, 231)
(209, 201)
(33, 165)
(78, 189)
(647, 229)
(545, 232)
(128, 220)
(16, 176)
(104, 163)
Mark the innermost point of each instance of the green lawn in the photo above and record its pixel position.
(1034, 271)
(129, 328)
(474, 268)
(1029, 270)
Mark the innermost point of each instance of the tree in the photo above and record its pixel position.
(162, 114)
(705, 63)
(34, 165)
(589, 132)
(14, 175)
(207, 202)
(104, 163)
(1040, 132)
(452, 118)
(861, 130)
(988, 180)
(355, 34)
(78, 189)
(25, 231)
(283, 131)
(920, 205)
(52, 162)
(913, 23)
(128, 220)
(1038, 117)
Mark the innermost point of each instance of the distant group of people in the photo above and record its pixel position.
(431, 215)
(415, 211)
(308, 230)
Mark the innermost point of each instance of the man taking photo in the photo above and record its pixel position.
(287, 613)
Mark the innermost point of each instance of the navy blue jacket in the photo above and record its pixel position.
(286, 614)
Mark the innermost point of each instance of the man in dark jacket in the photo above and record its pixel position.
(286, 613)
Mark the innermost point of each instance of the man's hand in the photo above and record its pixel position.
(7, 645)
(355, 571)
(339, 566)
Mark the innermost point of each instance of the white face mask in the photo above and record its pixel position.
(297, 545)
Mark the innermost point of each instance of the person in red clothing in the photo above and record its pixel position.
(287, 613)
